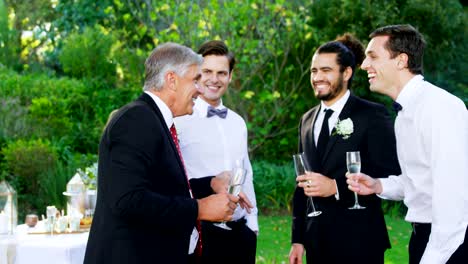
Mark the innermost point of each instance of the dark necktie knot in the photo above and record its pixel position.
(219, 112)
(328, 113)
(396, 107)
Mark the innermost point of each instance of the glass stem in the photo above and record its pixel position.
(312, 204)
(356, 199)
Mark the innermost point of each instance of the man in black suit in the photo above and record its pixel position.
(145, 212)
(341, 123)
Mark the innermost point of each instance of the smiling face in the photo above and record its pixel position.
(215, 78)
(186, 90)
(382, 70)
(328, 82)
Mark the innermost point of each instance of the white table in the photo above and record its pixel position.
(23, 248)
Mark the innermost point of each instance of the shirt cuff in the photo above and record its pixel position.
(337, 194)
(252, 222)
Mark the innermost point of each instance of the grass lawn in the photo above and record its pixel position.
(275, 234)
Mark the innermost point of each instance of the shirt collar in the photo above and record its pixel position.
(201, 106)
(409, 91)
(165, 111)
(338, 105)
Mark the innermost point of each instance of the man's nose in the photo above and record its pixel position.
(365, 64)
(317, 76)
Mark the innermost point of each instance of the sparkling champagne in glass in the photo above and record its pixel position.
(235, 186)
(353, 163)
(301, 167)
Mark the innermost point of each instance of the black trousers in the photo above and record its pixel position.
(418, 242)
(322, 257)
(238, 245)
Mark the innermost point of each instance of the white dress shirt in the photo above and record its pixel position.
(337, 107)
(432, 145)
(210, 146)
(169, 120)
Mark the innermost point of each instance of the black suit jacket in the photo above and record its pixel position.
(338, 228)
(144, 212)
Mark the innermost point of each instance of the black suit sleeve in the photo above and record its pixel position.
(201, 187)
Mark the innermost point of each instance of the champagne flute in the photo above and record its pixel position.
(301, 169)
(235, 186)
(353, 163)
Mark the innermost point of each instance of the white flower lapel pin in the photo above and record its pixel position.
(344, 128)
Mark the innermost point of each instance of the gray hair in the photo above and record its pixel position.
(168, 57)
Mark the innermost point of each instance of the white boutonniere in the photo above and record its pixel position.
(344, 128)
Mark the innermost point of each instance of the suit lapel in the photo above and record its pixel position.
(148, 100)
(307, 135)
(345, 113)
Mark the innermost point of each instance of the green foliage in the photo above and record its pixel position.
(443, 24)
(24, 162)
(54, 182)
(274, 185)
(70, 112)
(13, 123)
(8, 45)
(87, 55)
(30, 32)
(49, 116)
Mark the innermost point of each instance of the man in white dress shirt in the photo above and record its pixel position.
(211, 140)
(432, 144)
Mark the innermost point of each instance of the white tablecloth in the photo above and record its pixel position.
(23, 248)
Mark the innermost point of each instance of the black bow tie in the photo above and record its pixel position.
(219, 112)
(396, 107)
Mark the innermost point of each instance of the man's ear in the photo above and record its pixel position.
(171, 80)
(348, 72)
(230, 76)
(402, 61)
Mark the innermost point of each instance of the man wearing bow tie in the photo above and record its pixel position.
(211, 140)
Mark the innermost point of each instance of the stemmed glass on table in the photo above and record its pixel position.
(353, 163)
(301, 168)
(236, 180)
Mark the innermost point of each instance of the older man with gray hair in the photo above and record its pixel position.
(145, 210)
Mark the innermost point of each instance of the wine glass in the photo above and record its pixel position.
(353, 163)
(236, 181)
(301, 169)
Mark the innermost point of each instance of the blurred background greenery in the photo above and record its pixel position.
(66, 64)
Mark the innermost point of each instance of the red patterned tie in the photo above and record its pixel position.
(198, 249)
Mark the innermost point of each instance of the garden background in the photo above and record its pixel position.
(66, 64)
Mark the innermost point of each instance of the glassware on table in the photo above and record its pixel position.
(236, 181)
(74, 222)
(301, 168)
(353, 163)
(51, 213)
